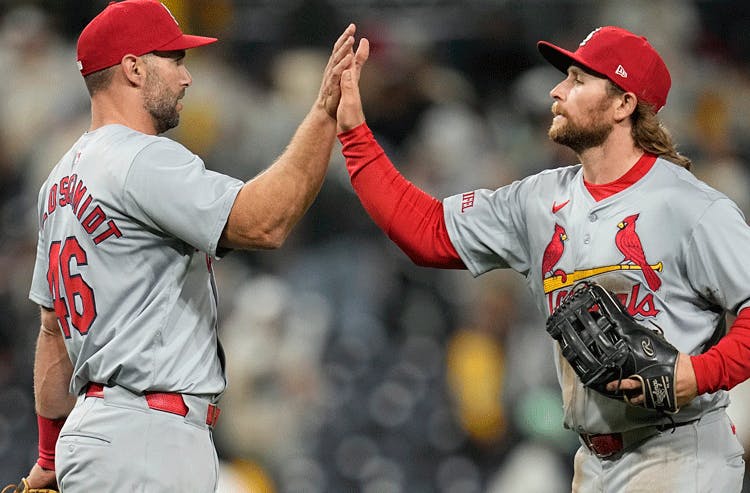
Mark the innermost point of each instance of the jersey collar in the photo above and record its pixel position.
(639, 169)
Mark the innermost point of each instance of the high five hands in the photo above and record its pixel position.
(343, 69)
(350, 113)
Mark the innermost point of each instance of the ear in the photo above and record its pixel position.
(625, 106)
(134, 69)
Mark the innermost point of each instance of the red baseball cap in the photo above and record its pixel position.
(628, 60)
(133, 27)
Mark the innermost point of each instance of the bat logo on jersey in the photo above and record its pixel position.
(553, 252)
(639, 301)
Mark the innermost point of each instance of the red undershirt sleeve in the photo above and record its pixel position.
(410, 217)
(727, 363)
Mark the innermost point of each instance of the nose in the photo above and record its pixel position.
(558, 92)
(187, 79)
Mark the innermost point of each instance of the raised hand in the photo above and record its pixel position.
(350, 113)
(340, 59)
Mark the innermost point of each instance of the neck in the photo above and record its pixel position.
(611, 160)
(117, 107)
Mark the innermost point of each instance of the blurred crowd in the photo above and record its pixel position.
(350, 369)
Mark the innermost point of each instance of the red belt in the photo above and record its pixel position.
(605, 445)
(161, 401)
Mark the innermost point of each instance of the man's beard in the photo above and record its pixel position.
(161, 104)
(581, 137)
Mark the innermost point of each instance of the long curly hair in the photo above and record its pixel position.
(650, 134)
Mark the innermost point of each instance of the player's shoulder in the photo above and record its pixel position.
(680, 184)
(568, 172)
(553, 177)
(129, 141)
(139, 142)
(135, 147)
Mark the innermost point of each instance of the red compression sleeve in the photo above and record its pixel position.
(49, 430)
(410, 217)
(728, 362)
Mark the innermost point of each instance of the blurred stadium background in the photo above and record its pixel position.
(351, 369)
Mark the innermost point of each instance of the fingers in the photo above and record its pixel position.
(341, 58)
(348, 33)
(342, 52)
(342, 47)
(361, 56)
(625, 385)
(635, 401)
(350, 113)
(350, 77)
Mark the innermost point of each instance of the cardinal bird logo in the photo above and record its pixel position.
(630, 246)
(553, 252)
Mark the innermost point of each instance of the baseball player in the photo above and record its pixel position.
(128, 368)
(630, 217)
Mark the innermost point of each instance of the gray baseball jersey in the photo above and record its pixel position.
(128, 226)
(669, 246)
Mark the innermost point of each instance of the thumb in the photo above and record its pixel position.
(347, 79)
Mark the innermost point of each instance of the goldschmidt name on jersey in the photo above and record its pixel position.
(70, 191)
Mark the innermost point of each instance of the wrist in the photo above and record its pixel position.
(49, 431)
(320, 110)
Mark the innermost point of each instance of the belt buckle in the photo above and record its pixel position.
(603, 446)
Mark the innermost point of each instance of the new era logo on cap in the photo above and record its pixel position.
(131, 27)
(607, 51)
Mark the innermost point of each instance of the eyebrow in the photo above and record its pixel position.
(576, 70)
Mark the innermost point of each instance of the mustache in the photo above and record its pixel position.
(555, 109)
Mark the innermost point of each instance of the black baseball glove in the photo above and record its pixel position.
(603, 343)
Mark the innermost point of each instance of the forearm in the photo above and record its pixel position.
(52, 373)
(728, 362)
(410, 217)
(271, 204)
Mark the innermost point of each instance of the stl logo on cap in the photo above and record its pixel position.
(591, 35)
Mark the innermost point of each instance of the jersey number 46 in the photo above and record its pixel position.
(78, 307)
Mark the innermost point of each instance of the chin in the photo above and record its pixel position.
(555, 131)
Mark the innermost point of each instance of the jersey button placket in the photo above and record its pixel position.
(587, 237)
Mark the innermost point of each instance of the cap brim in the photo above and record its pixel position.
(185, 42)
(560, 58)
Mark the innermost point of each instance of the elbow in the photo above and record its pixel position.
(254, 239)
(418, 258)
(270, 240)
